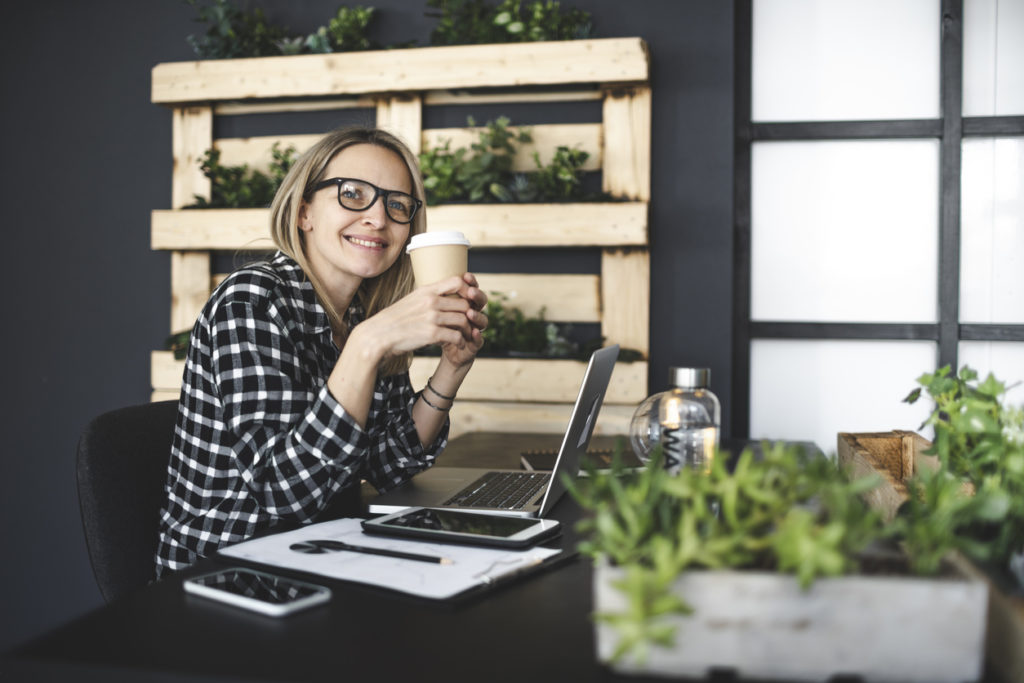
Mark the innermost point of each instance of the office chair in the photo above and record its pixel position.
(121, 468)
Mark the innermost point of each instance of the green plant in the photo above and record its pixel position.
(975, 500)
(239, 186)
(347, 30)
(479, 173)
(234, 33)
(483, 172)
(509, 329)
(464, 22)
(789, 512)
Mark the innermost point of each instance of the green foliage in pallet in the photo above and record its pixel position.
(974, 501)
(477, 174)
(233, 33)
(790, 511)
(240, 187)
(465, 22)
(483, 172)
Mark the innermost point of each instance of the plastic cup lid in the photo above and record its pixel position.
(433, 239)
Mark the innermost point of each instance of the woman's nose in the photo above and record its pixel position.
(376, 215)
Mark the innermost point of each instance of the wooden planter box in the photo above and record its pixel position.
(762, 625)
(896, 455)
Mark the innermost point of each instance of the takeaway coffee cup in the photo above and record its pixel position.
(437, 255)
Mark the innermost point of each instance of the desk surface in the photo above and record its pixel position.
(534, 629)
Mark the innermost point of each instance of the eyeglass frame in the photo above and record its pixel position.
(377, 193)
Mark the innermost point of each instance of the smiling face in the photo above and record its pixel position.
(345, 247)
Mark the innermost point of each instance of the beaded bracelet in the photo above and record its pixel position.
(438, 393)
(440, 410)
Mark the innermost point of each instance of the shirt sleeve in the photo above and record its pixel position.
(395, 450)
(295, 445)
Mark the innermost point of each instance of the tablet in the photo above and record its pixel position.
(458, 526)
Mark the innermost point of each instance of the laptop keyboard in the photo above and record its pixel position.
(508, 490)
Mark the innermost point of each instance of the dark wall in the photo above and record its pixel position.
(87, 156)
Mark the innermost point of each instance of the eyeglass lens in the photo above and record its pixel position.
(359, 196)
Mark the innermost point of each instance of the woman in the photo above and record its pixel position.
(296, 384)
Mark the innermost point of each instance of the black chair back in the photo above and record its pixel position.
(122, 469)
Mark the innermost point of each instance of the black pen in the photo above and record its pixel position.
(323, 546)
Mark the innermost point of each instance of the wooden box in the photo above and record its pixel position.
(761, 625)
(896, 455)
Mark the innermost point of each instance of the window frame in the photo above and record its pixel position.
(950, 129)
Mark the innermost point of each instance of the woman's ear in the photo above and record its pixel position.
(304, 219)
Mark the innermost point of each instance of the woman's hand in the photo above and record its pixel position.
(428, 315)
(463, 354)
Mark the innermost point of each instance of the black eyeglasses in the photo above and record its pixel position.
(359, 195)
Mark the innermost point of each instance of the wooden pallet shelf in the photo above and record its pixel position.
(397, 85)
(607, 60)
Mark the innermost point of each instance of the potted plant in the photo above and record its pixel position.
(775, 568)
(965, 490)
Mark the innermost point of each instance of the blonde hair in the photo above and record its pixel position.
(375, 293)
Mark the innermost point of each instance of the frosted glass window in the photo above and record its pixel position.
(812, 390)
(845, 231)
(822, 60)
(993, 58)
(992, 231)
(1003, 359)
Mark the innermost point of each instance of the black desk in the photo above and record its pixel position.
(534, 629)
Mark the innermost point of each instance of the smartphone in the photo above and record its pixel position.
(458, 526)
(258, 591)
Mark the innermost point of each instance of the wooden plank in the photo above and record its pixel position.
(436, 98)
(505, 379)
(595, 224)
(546, 138)
(165, 373)
(190, 287)
(191, 136)
(292, 106)
(531, 418)
(428, 68)
(256, 151)
(164, 396)
(402, 115)
(211, 229)
(627, 143)
(565, 298)
(626, 298)
(537, 380)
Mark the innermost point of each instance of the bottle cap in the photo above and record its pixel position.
(689, 378)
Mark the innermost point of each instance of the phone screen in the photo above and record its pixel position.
(258, 586)
(463, 522)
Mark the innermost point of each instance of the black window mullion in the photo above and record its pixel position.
(950, 165)
(809, 330)
(743, 87)
(847, 130)
(990, 332)
(993, 125)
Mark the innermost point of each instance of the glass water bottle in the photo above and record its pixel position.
(684, 420)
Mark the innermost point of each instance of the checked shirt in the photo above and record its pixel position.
(259, 439)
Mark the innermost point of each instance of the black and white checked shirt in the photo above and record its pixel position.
(259, 439)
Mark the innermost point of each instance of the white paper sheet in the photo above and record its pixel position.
(471, 566)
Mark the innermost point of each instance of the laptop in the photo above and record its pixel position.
(518, 493)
